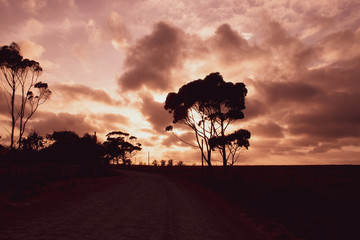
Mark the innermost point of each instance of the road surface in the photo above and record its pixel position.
(133, 205)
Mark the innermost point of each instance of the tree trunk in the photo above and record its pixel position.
(12, 114)
(224, 152)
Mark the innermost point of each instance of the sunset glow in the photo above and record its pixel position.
(110, 65)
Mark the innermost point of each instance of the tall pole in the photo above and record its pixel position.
(148, 158)
(202, 155)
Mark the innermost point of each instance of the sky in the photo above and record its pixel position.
(110, 65)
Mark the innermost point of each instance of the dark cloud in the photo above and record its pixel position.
(155, 114)
(335, 116)
(231, 47)
(268, 129)
(227, 38)
(277, 36)
(254, 108)
(311, 93)
(340, 76)
(79, 92)
(287, 91)
(150, 62)
(44, 123)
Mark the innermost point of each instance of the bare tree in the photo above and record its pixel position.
(19, 79)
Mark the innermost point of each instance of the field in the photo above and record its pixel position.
(313, 202)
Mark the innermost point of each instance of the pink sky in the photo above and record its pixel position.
(110, 65)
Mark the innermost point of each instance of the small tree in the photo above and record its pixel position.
(19, 78)
(180, 163)
(170, 163)
(162, 163)
(155, 163)
(33, 141)
(234, 143)
(121, 146)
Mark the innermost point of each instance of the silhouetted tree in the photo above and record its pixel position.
(234, 143)
(162, 163)
(90, 154)
(33, 141)
(155, 163)
(19, 78)
(121, 146)
(64, 146)
(180, 163)
(68, 147)
(3, 152)
(170, 163)
(208, 107)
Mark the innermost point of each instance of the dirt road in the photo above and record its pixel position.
(133, 205)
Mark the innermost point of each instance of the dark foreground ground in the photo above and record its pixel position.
(312, 202)
(139, 202)
(132, 205)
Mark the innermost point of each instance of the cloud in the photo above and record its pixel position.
(33, 27)
(254, 108)
(269, 130)
(4, 3)
(45, 122)
(304, 95)
(31, 50)
(78, 92)
(333, 117)
(155, 114)
(33, 6)
(287, 91)
(342, 45)
(93, 30)
(119, 32)
(109, 121)
(150, 62)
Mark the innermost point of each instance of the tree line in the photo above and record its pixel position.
(68, 147)
(207, 106)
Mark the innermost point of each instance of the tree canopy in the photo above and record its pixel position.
(121, 146)
(208, 106)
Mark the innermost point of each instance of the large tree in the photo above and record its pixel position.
(22, 90)
(208, 107)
